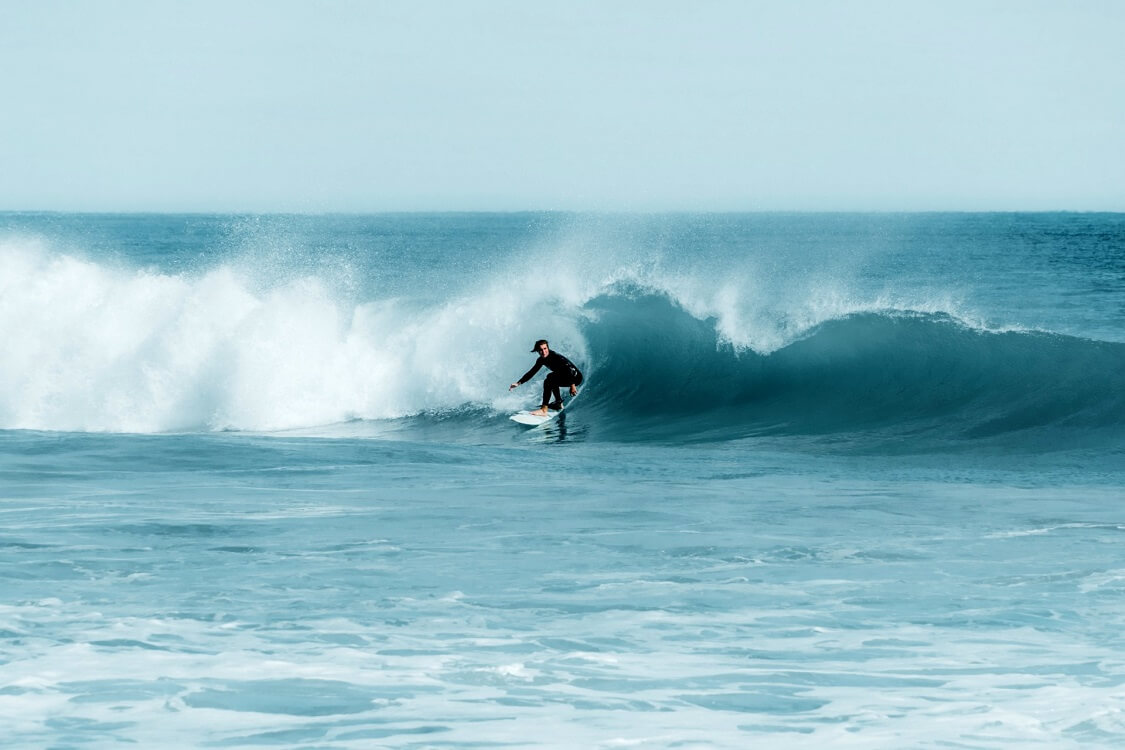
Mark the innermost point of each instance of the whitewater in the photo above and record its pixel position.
(835, 480)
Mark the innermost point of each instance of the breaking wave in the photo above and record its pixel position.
(95, 347)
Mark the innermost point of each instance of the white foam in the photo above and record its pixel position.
(96, 348)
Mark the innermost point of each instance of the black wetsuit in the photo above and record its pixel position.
(563, 373)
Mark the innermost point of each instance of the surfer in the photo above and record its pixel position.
(562, 372)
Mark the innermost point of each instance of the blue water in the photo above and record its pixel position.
(835, 480)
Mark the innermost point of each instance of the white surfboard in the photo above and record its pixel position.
(532, 420)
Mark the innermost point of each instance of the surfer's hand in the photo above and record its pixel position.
(573, 390)
(513, 385)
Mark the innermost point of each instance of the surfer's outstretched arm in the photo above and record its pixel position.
(527, 375)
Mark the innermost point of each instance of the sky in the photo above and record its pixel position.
(330, 105)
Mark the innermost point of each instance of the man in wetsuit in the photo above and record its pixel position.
(562, 372)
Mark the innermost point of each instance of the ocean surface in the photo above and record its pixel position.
(835, 480)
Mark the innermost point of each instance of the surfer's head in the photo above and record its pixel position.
(541, 348)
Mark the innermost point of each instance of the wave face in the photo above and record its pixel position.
(707, 349)
(894, 375)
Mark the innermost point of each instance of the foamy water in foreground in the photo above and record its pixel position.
(400, 595)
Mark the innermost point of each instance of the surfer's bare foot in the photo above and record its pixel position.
(540, 412)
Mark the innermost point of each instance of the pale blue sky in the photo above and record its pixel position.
(376, 106)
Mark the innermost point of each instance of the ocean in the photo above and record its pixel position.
(834, 480)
